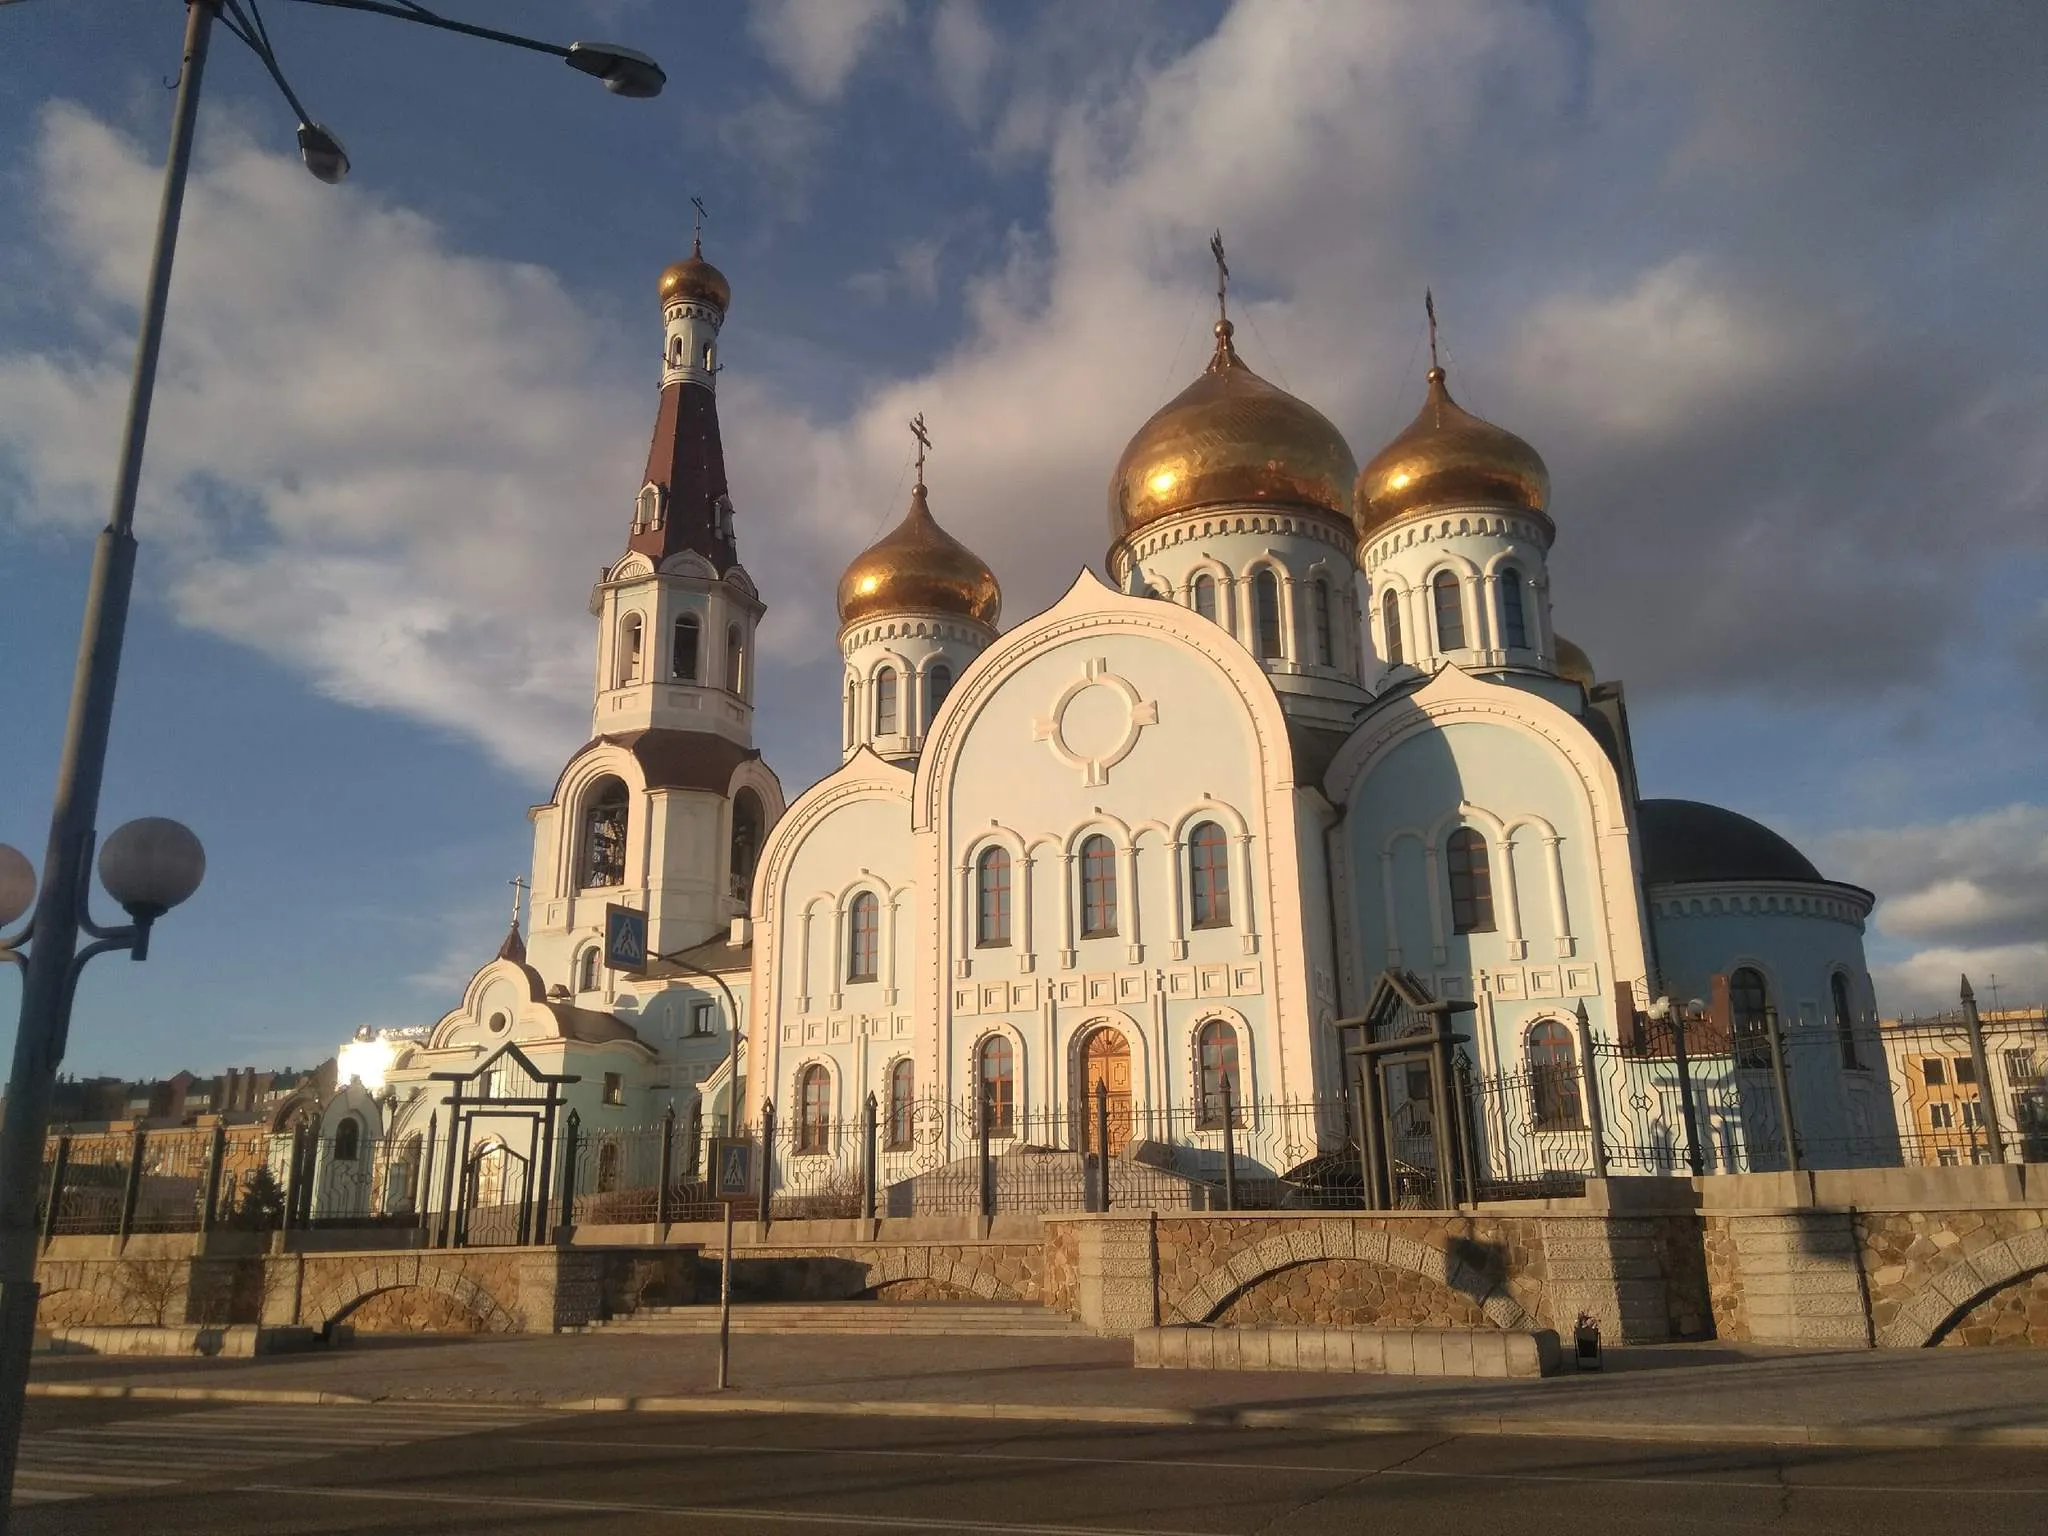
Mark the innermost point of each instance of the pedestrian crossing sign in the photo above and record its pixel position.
(625, 938)
(732, 1168)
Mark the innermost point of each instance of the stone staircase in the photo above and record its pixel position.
(921, 1319)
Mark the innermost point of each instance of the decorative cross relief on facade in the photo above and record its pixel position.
(1095, 722)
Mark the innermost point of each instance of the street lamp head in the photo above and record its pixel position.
(150, 865)
(17, 884)
(323, 154)
(624, 71)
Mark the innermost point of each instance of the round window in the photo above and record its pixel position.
(498, 1023)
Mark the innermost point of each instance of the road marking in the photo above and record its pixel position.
(1207, 1465)
(81, 1461)
(707, 1512)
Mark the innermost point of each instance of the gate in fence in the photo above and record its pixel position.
(502, 1117)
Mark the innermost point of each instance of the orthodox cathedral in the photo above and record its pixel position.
(1316, 724)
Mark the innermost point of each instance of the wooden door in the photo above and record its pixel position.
(1106, 1059)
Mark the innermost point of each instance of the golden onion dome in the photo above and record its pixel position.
(1448, 456)
(1573, 664)
(918, 567)
(1230, 438)
(696, 278)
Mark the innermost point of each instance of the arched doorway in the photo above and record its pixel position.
(1106, 1060)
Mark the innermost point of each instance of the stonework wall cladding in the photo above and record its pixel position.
(1062, 1260)
(2014, 1315)
(1350, 1293)
(1724, 1279)
(1928, 1270)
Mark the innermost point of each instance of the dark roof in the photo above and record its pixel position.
(687, 460)
(677, 759)
(1687, 841)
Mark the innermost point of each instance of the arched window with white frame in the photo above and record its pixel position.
(1266, 615)
(938, 682)
(735, 660)
(1205, 597)
(1553, 1077)
(885, 702)
(1514, 625)
(1449, 596)
(992, 899)
(631, 637)
(863, 937)
(1209, 876)
(1471, 882)
(1319, 621)
(587, 969)
(814, 1110)
(902, 1104)
(683, 655)
(996, 1080)
(601, 856)
(1220, 1082)
(1098, 887)
(1390, 625)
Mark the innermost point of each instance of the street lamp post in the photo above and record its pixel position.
(151, 865)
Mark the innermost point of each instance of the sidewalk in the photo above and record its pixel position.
(1687, 1393)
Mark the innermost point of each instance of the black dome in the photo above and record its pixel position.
(1686, 841)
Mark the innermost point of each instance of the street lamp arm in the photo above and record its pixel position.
(732, 1087)
(427, 18)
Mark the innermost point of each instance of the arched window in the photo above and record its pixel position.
(1749, 1002)
(902, 1095)
(647, 511)
(1209, 875)
(1450, 611)
(1319, 617)
(348, 1140)
(630, 634)
(863, 937)
(603, 855)
(682, 664)
(746, 842)
(735, 660)
(402, 1183)
(998, 1079)
(586, 970)
(1554, 1077)
(1216, 1059)
(1845, 1021)
(708, 367)
(1514, 629)
(1205, 598)
(607, 1167)
(885, 702)
(938, 682)
(814, 1109)
(1098, 887)
(1471, 883)
(992, 899)
(1390, 625)
(1266, 614)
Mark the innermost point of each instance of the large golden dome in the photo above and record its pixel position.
(918, 567)
(695, 278)
(1573, 664)
(1230, 438)
(1448, 456)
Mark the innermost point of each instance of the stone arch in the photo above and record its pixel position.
(1214, 1291)
(908, 1268)
(1951, 1292)
(341, 1290)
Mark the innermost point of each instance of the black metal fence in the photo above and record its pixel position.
(1671, 1098)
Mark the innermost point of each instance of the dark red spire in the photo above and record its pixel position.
(687, 461)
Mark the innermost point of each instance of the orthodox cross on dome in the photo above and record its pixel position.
(1222, 276)
(924, 443)
(697, 225)
(1429, 308)
(519, 890)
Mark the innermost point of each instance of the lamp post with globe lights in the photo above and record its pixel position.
(151, 865)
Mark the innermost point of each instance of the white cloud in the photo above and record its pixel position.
(1978, 881)
(963, 52)
(386, 463)
(818, 43)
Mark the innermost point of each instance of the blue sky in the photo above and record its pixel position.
(1761, 282)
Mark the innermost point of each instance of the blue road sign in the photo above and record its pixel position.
(625, 938)
(732, 1168)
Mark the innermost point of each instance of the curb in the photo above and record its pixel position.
(1866, 1436)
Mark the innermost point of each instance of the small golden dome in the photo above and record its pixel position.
(1230, 437)
(1445, 457)
(1573, 664)
(696, 278)
(918, 567)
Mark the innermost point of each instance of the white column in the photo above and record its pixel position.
(1134, 933)
(837, 991)
(965, 920)
(1511, 905)
(1489, 612)
(1027, 959)
(803, 1002)
(1439, 950)
(1178, 853)
(889, 951)
(1068, 956)
(1566, 944)
(1248, 924)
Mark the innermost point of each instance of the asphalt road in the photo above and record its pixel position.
(169, 1468)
